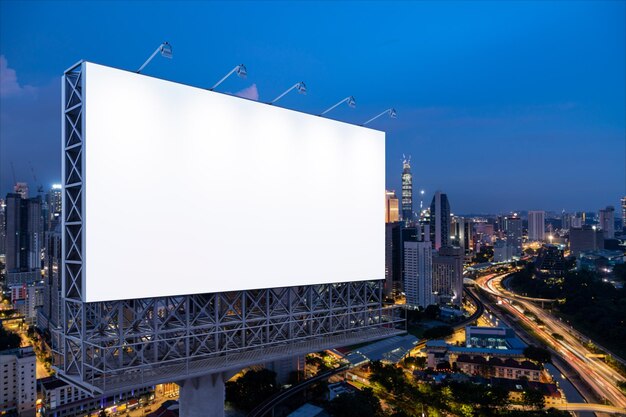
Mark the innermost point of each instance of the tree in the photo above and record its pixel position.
(8, 339)
(438, 332)
(251, 389)
(432, 311)
(356, 404)
(533, 398)
(537, 354)
(389, 377)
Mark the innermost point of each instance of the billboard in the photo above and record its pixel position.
(190, 191)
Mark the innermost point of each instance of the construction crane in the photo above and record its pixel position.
(39, 187)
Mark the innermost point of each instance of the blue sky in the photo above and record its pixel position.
(502, 105)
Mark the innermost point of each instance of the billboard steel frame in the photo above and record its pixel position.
(105, 347)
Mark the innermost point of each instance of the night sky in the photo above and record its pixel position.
(502, 105)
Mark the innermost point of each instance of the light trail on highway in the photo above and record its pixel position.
(598, 375)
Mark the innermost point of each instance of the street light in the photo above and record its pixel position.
(166, 52)
(301, 87)
(350, 100)
(392, 113)
(240, 70)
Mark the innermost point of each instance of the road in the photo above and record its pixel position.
(599, 408)
(264, 408)
(599, 376)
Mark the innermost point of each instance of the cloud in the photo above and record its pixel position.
(9, 86)
(250, 92)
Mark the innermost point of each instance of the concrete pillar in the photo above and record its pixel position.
(203, 396)
(284, 367)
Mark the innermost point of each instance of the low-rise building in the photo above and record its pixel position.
(508, 368)
(60, 399)
(18, 382)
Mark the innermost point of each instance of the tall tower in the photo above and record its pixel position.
(440, 220)
(513, 230)
(418, 272)
(536, 225)
(407, 190)
(24, 233)
(391, 207)
(607, 222)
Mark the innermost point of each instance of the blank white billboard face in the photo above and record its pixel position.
(189, 191)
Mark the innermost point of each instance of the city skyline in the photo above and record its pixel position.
(518, 95)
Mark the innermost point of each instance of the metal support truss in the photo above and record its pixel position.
(105, 347)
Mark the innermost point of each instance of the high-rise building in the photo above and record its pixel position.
(50, 315)
(392, 213)
(418, 273)
(407, 190)
(24, 233)
(440, 220)
(462, 232)
(624, 213)
(448, 274)
(53, 200)
(502, 252)
(607, 222)
(536, 225)
(585, 238)
(18, 389)
(566, 220)
(3, 230)
(513, 232)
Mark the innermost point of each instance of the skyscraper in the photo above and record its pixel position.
(24, 230)
(607, 222)
(513, 231)
(448, 274)
(53, 199)
(3, 231)
(536, 225)
(418, 272)
(461, 229)
(392, 213)
(624, 213)
(407, 190)
(440, 220)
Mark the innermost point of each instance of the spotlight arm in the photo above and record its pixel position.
(159, 49)
(299, 86)
(237, 68)
(391, 113)
(348, 99)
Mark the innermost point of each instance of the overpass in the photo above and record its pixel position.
(596, 408)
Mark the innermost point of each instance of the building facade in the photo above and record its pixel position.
(448, 275)
(407, 190)
(585, 238)
(18, 382)
(607, 222)
(418, 274)
(24, 234)
(536, 225)
(513, 231)
(392, 211)
(440, 220)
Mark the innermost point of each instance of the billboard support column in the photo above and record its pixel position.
(203, 396)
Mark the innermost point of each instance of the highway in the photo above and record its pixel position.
(599, 376)
(596, 408)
